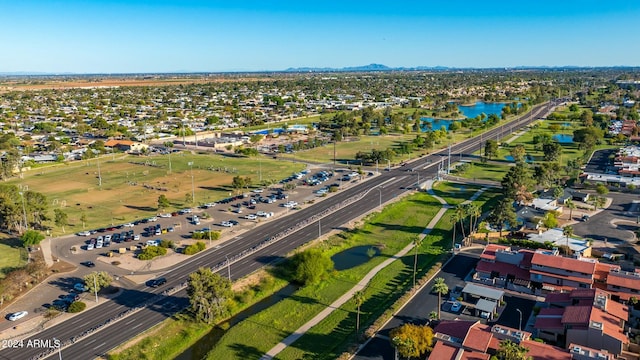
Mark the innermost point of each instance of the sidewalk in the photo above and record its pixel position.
(362, 283)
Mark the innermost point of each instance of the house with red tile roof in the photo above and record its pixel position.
(472, 340)
(584, 317)
(624, 284)
(544, 271)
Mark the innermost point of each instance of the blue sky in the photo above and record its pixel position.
(164, 36)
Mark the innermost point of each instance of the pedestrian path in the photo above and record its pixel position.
(365, 280)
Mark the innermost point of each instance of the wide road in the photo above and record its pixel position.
(379, 189)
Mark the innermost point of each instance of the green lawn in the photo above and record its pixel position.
(390, 231)
(333, 334)
(131, 185)
(12, 254)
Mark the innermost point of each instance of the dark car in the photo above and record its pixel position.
(88, 264)
(156, 282)
(234, 222)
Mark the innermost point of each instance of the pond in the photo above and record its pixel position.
(354, 256)
(563, 138)
(469, 111)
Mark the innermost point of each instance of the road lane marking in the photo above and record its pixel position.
(99, 346)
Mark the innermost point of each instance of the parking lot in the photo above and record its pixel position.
(88, 249)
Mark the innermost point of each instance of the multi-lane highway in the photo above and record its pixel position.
(369, 194)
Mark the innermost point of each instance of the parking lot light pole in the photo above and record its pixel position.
(520, 324)
(193, 188)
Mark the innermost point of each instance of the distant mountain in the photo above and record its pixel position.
(33, 73)
(370, 67)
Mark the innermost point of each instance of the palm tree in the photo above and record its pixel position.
(569, 204)
(417, 242)
(474, 211)
(454, 221)
(358, 298)
(461, 214)
(440, 287)
(568, 232)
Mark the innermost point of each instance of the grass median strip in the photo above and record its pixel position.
(388, 232)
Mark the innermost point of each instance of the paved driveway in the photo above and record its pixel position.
(616, 223)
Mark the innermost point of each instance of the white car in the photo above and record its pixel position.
(290, 204)
(84, 233)
(98, 245)
(261, 213)
(153, 242)
(322, 191)
(18, 315)
(128, 225)
(166, 215)
(136, 237)
(90, 246)
(209, 205)
(257, 191)
(152, 219)
(251, 217)
(226, 224)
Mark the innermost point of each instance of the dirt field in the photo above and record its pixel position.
(76, 82)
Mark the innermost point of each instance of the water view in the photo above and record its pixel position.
(469, 111)
(563, 138)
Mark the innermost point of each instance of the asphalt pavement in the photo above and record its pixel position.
(95, 332)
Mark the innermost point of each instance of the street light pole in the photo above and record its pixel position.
(319, 229)
(380, 191)
(228, 267)
(59, 348)
(520, 324)
(193, 188)
(95, 287)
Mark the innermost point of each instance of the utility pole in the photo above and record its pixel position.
(95, 287)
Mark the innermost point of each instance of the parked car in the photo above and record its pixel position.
(79, 287)
(84, 233)
(226, 224)
(90, 246)
(18, 315)
(251, 217)
(166, 215)
(88, 264)
(128, 225)
(456, 306)
(156, 282)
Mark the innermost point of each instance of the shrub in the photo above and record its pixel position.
(167, 244)
(115, 263)
(194, 248)
(152, 251)
(76, 307)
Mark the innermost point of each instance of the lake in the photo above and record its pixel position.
(563, 138)
(469, 111)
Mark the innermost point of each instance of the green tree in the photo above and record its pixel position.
(517, 184)
(31, 238)
(602, 189)
(461, 214)
(440, 287)
(599, 202)
(238, 183)
(510, 350)
(358, 298)
(188, 198)
(209, 295)
(490, 149)
(567, 231)
(501, 214)
(570, 205)
(163, 202)
(76, 307)
(552, 151)
(102, 280)
(311, 266)
(550, 220)
(61, 218)
(412, 341)
(83, 219)
(518, 153)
